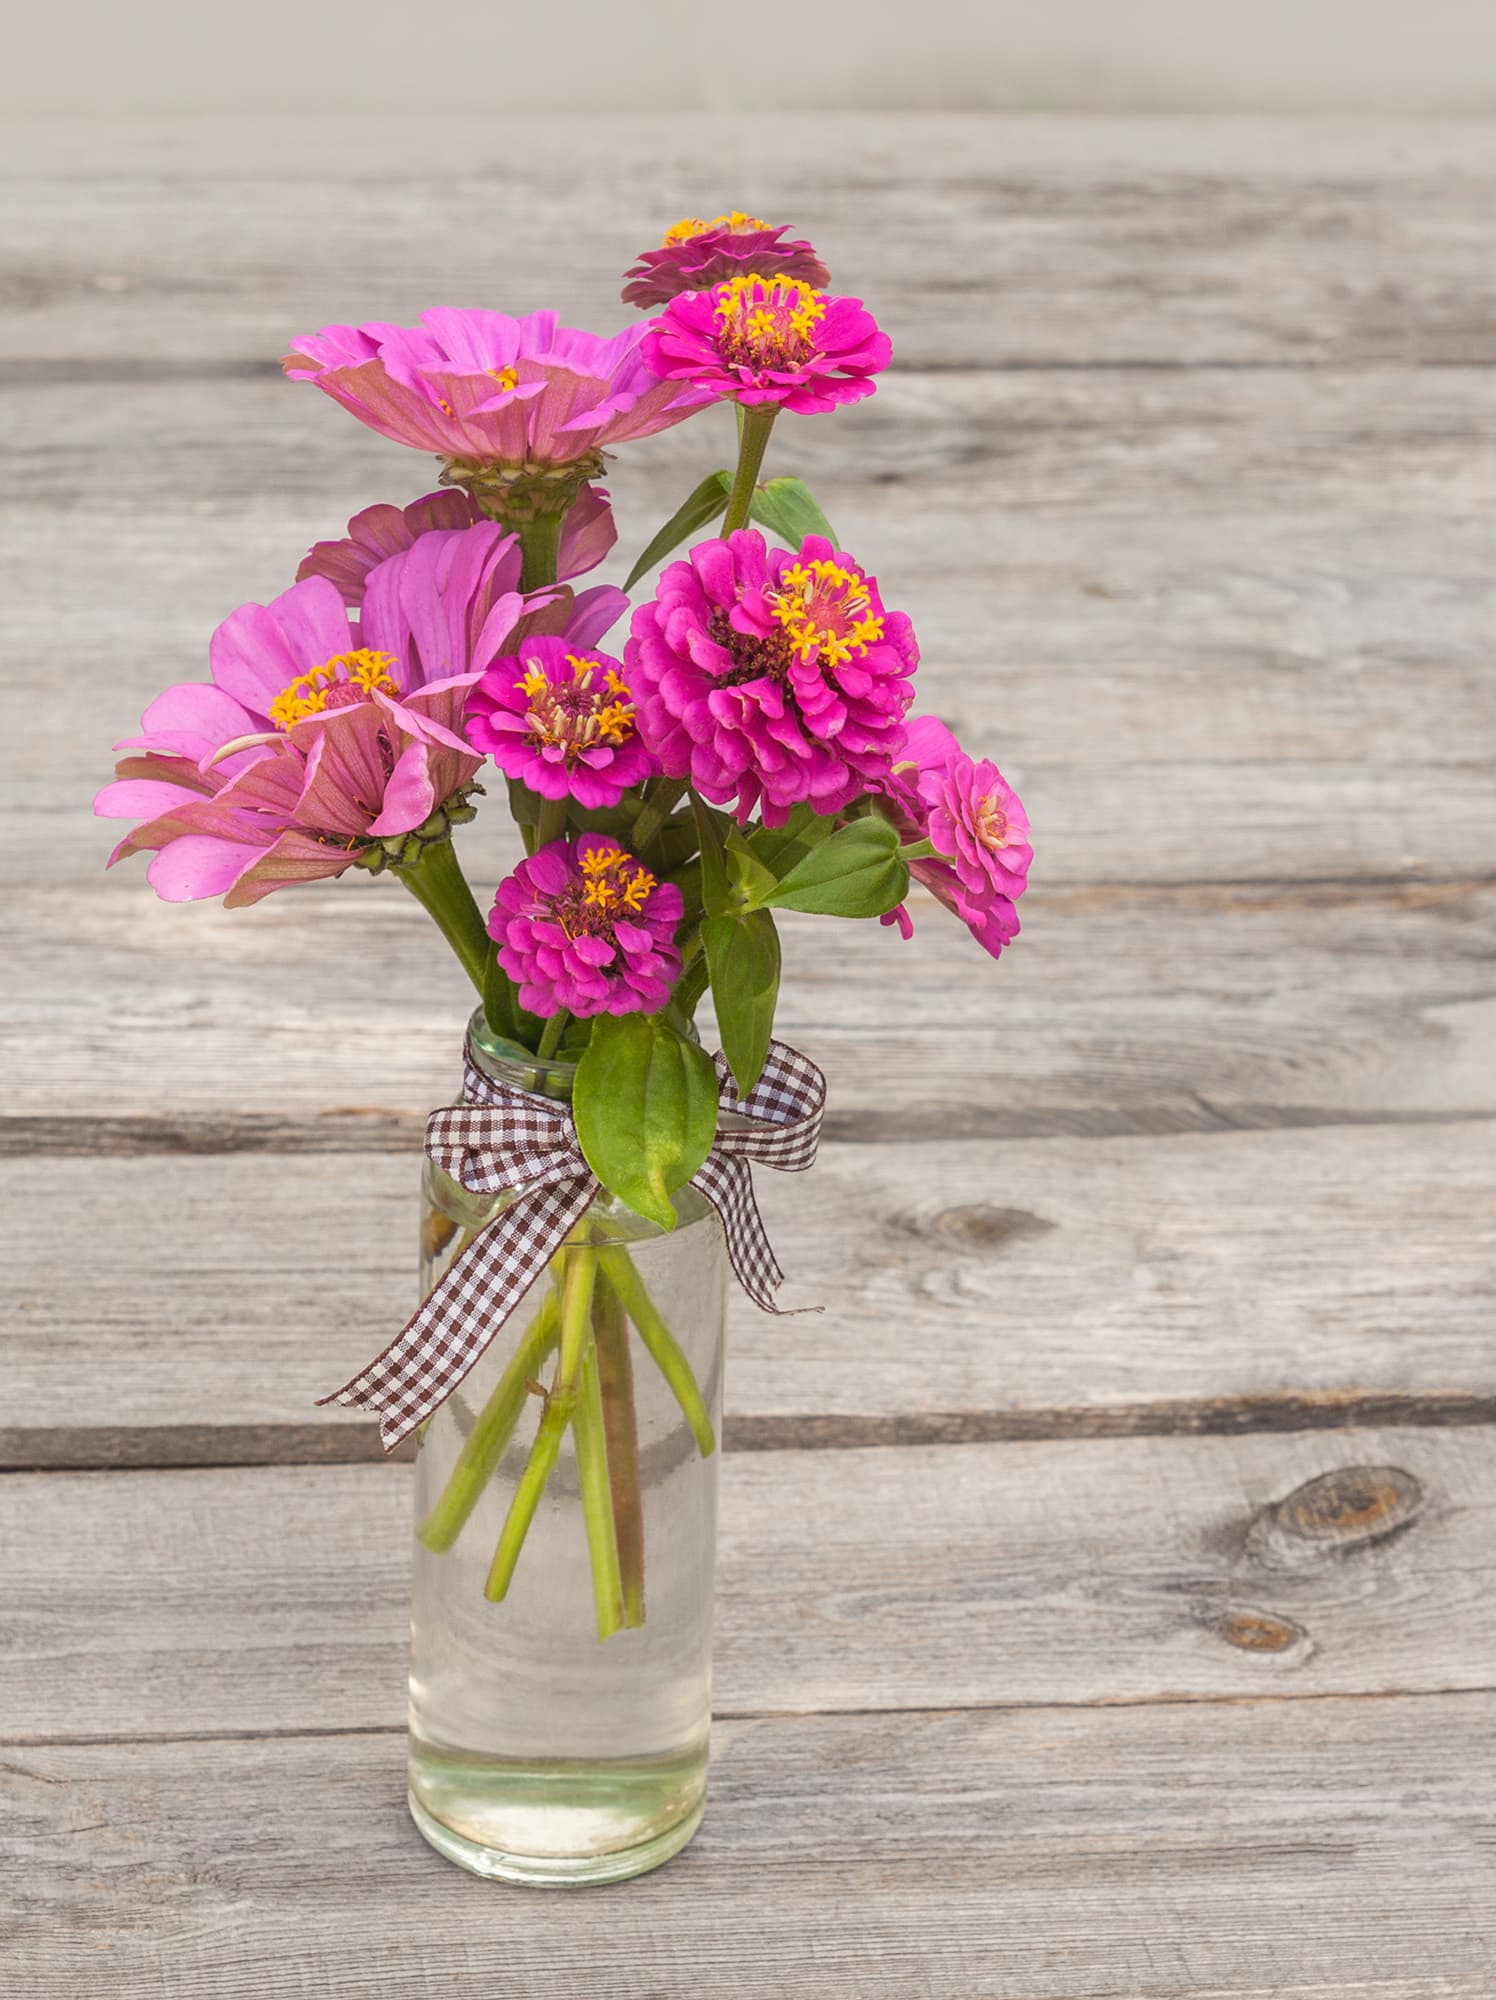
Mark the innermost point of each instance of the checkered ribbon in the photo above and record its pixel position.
(502, 1138)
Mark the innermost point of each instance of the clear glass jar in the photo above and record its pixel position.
(540, 1750)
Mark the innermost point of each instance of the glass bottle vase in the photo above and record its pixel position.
(560, 1678)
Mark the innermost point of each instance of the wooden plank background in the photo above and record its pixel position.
(1106, 1598)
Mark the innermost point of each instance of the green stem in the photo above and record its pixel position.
(590, 1438)
(664, 798)
(551, 821)
(550, 1038)
(576, 1303)
(753, 440)
(615, 1370)
(490, 1435)
(440, 887)
(540, 549)
(619, 1269)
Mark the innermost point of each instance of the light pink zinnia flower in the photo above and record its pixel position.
(584, 925)
(236, 785)
(561, 722)
(769, 678)
(380, 532)
(976, 823)
(697, 255)
(770, 340)
(484, 387)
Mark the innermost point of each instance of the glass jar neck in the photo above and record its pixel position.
(507, 1062)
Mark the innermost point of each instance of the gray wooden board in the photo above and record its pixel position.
(1208, 567)
(1117, 1010)
(1026, 239)
(1185, 611)
(233, 1600)
(1324, 1850)
(1067, 1275)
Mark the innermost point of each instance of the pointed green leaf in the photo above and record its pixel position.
(780, 847)
(700, 507)
(715, 899)
(645, 1105)
(858, 872)
(743, 956)
(788, 508)
(749, 881)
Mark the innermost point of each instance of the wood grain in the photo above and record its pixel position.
(1023, 239)
(1228, 702)
(1042, 1281)
(1101, 1571)
(326, 1014)
(1329, 1850)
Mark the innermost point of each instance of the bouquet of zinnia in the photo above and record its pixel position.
(736, 742)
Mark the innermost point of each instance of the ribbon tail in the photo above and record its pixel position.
(448, 1333)
(727, 1183)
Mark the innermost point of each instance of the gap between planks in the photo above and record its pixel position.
(188, 1447)
(316, 1733)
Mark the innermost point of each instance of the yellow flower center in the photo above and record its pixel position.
(989, 821)
(337, 683)
(824, 611)
(614, 887)
(594, 706)
(767, 322)
(690, 225)
(505, 377)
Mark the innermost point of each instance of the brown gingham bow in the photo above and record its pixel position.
(503, 1137)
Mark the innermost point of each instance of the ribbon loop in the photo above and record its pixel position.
(506, 1138)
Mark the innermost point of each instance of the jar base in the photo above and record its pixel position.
(550, 1870)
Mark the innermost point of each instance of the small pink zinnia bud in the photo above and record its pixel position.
(697, 255)
(769, 678)
(976, 823)
(560, 721)
(769, 340)
(583, 925)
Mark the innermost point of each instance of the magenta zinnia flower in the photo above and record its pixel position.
(976, 823)
(697, 255)
(584, 925)
(768, 678)
(770, 340)
(561, 722)
(384, 531)
(317, 737)
(483, 387)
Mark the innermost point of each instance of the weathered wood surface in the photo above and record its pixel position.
(229, 1601)
(1053, 1282)
(1147, 1440)
(1121, 1010)
(1335, 1850)
(1227, 700)
(1023, 241)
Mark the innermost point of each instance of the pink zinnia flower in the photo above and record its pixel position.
(697, 255)
(770, 340)
(236, 785)
(380, 532)
(561, 722)
(481, 386)
(976, 823)
(584, 925)
(768, 678)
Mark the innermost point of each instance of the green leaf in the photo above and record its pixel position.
(749, 882)
(781, 847)
(858, 872)
(743, 956)
(715, 899)
(645, 1104)
(788, 508)
(705, 504)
